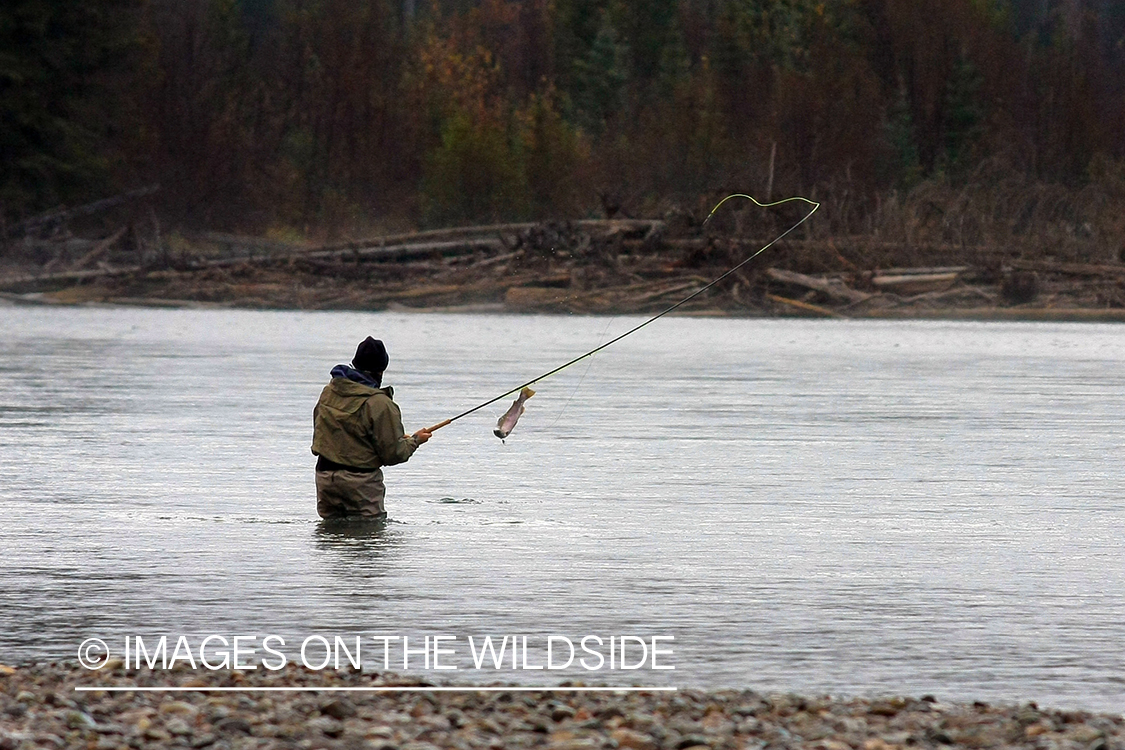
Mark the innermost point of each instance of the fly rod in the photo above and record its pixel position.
(659, 315)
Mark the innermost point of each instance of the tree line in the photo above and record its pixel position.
(336, 115)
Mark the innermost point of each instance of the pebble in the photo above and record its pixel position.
(178, 707)
(39, 708)
(561, 713)
(340, 709)
(79, 720)
(632, 739)
(177, 727)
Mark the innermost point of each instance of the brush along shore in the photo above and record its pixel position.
(585, 267)
(40, 708)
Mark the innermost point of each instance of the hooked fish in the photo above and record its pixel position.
(507, 423)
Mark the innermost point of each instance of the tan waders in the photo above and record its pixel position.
(350, 493)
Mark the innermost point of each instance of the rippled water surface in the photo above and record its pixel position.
(817, 506)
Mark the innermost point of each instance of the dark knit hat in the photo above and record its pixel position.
(371, 356)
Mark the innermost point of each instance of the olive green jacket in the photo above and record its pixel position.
(356, 425)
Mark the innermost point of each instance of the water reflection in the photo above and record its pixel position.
(334, 531)
(357, 548)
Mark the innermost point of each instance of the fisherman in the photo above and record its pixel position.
(357, 429)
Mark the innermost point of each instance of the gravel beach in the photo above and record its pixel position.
(40, 708)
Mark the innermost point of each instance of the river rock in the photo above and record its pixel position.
(339, 708)
(632, 739)
(39, 708)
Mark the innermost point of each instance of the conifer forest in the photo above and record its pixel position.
(958, 121)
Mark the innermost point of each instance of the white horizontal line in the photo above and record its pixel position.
(402, 689)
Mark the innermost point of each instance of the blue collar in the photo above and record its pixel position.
(354, 375)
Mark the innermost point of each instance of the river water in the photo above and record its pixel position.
(845, 507)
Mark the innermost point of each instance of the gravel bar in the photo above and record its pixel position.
(40, 708)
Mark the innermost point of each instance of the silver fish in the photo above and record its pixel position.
(507, 423)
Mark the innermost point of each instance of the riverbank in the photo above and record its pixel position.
(583, 267)
(39, 707)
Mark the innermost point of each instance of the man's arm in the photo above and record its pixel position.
(392, 446)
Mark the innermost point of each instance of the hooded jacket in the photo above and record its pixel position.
(358, 425)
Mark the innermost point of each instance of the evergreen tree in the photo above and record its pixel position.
(964, 114)
(599, 78)
(63, 67)
(905, 168)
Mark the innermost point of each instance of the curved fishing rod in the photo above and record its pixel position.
(659, 315)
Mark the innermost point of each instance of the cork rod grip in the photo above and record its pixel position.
(437, 426)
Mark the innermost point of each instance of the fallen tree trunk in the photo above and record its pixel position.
(836, 289)
(921, 271)
(99, 249)
(406, 251)
(1070, 269)
(914, 283)
(380, 241)
(681, 287)
(14, 282)
(61, 215)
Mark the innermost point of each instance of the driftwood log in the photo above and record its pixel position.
(914, 283)
(832, 287)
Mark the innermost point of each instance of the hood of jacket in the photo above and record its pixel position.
(344, 371)
(351, 389)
